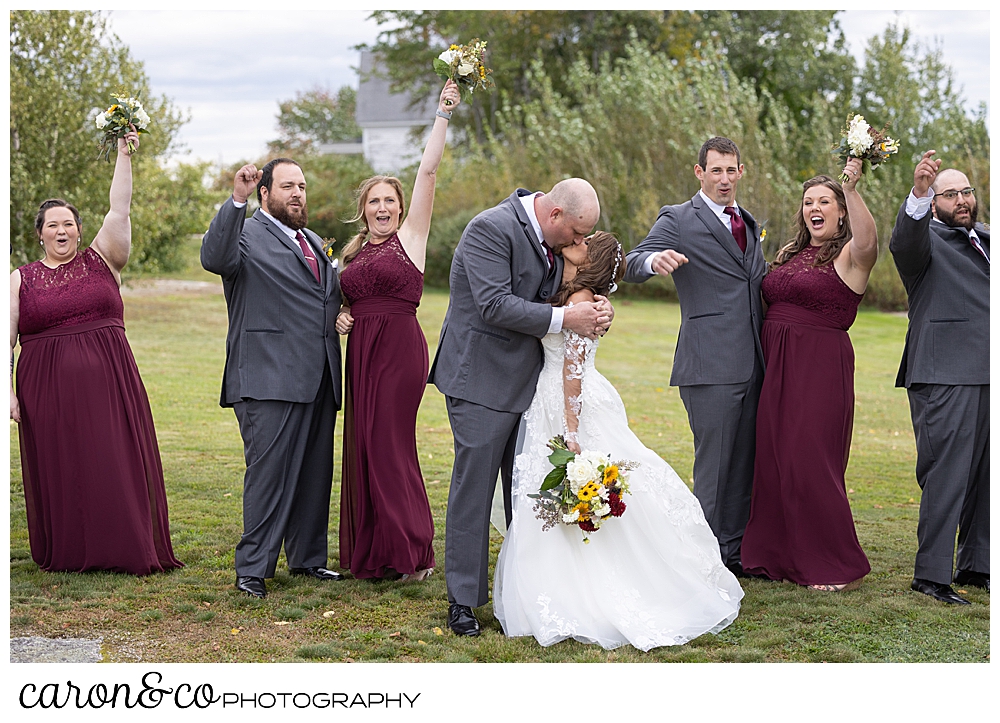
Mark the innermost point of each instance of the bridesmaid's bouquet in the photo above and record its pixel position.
(582, 489)
(465, 65)
(860, 140)
(115, 122)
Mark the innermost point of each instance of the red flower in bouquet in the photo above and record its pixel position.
(617, 504)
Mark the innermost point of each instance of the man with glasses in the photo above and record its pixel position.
(943, 258)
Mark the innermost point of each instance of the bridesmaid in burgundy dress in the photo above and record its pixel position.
(386, 528)
(800, 527)
(93, 484)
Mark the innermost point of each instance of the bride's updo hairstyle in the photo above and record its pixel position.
(605, 267)
(829, 250)
(354, 245)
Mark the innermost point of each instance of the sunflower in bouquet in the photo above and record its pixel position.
(860, 140)
(582, 489)
(465, 64)
(117, 120)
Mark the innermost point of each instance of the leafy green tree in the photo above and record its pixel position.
(64, 66)
(516, 38)
(315, 117)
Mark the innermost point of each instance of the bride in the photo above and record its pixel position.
(649, 578)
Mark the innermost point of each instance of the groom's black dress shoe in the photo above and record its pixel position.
(975, 579)
(938, 591)
(320, 573)
(252, 586)
(462, 621)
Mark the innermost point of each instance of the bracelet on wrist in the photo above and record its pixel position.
(443, 114)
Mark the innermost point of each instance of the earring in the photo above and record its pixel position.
(840, 221)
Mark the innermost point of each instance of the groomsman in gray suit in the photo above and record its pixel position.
(943, 257)
(711, 248)
(489, 357)
(282, 372)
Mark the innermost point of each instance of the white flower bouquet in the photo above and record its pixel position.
(465, 65)
(115, 121)
(582, 489)
(862, 141)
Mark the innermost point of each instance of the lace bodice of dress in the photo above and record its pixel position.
(816, 288)
(382, 269)
(80, 291)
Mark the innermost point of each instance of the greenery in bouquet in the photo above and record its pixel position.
(582, 489)
(860, 140)
(465, 65)
(125, 111)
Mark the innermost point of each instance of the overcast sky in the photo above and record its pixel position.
(230, 69)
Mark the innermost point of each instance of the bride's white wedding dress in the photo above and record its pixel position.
(649, 578)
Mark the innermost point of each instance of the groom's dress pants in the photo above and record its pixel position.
(723, 419)
(952, 429)
(485, 440)
(286, 490)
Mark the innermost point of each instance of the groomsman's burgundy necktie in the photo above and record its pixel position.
(738, 227)
(548, 254)
(310, 258)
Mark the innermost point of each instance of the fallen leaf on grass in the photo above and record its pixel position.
(215, 646)
(434, 482)
(228, 494)
(237, 631)
(438, 631)
(421, 642)
(207, 604)
(329, 614)
(878, 507)
(282, 622)
(347, 660)
(65, 625)
(850, 491)
(395, 635)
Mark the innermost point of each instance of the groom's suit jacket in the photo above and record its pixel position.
(718, 289)
(281, 322)
(489, 353)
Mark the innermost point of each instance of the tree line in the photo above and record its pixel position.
(622, 98)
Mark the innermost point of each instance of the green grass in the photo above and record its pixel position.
(195, 615)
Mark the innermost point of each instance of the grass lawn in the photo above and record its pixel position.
(195, 615)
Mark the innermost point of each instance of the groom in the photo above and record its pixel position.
(489, 358)
(711, 248)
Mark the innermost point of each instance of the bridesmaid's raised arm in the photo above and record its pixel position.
(114, 241)
(413, 233)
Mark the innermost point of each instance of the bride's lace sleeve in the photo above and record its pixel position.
(575, 349)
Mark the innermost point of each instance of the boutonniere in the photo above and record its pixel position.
(763, 234)
(328, 245)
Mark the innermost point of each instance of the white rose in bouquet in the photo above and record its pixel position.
(447, 56)
(465, 69)
(858, 137)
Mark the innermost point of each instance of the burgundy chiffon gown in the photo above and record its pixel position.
(93, 484)
(386, 528)
(800, 527)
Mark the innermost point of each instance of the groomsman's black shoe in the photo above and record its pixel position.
(738, 571)
(938, 591)
(462, 621)
(252, 586)
(975, 579)
(320, 573)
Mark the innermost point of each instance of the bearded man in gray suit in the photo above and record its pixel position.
(942, 255)
(489, 357)
(282, 373)
(711, 248)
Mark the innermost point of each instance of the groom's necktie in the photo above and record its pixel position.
(307, 252)
(548, 254)
(739, 228)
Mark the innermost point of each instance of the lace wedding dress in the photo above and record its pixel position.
(650, 578)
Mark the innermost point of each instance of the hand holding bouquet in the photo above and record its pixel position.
(863, 142)
(464, 65)
(118, 120)
(582, 489)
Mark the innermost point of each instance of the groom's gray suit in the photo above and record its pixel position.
(718, 363)
(282, 377)
(487, 364)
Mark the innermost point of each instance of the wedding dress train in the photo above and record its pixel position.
(650, 578)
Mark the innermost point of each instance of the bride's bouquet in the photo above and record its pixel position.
(861, 141)
(465, 65)
(115, 122)
(582, 489)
